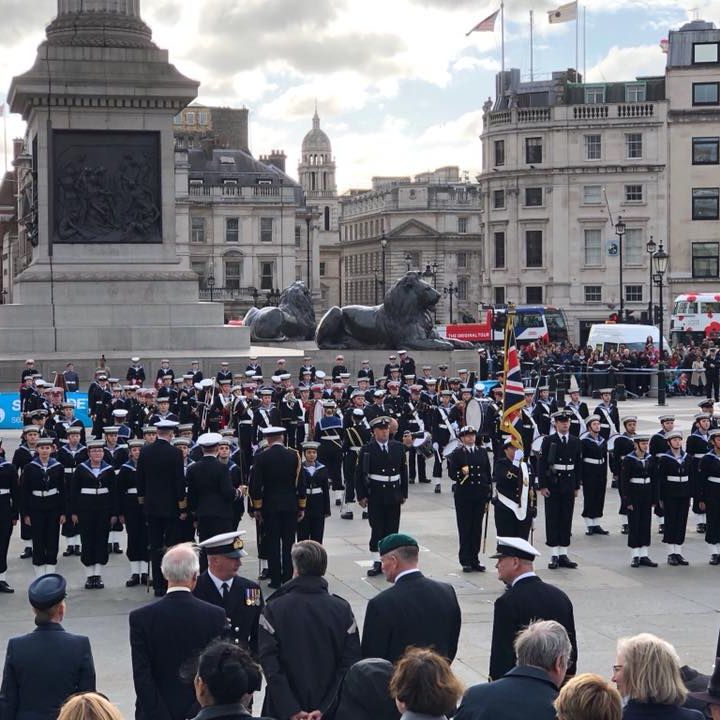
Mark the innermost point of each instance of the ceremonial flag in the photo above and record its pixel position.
(564, 13)
(486, 25)
(513, 388)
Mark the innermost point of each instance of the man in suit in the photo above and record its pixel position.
(161, 490)
(527, 598)
(530, 688)
(240, 598)
(46, 666)
(416, 611)
(166, 637)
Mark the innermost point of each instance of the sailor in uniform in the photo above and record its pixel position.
(543, 410)
(697, 446)
(578, 409)
(622, 445)
(515, 501)
(608, 413)
(444, 431)
(659, 446)
(267, 415)
(315, 476)
(8, 516)
(594, 475)
(328, 431)
(708, 495)
(71, 454)
(355, 435)
(133, 517)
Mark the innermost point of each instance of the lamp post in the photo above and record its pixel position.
(308, 217)
(651, 247)
(383, 245)
(375, 286)
(660, 259)
(210, 282)
(431, 272)
(408, 260)
(254, 292)
(450, 290)
(620, 231)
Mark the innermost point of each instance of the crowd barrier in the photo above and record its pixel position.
(10, 417)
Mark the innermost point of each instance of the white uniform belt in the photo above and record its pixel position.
(244, 422)
(356, 448)
(677, 478)
(385, 478)
(594, 461)
(314, 491)
(94, 491)
(713, 479)
(563, 467)
(45, 493)
(131, 491)
(699, 455)
(4, 491)
(329, 437)
(640, 481)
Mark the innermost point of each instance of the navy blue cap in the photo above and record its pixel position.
(47, 590)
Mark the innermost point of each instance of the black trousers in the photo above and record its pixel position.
(312, 526)
(349, 465)
(6, 528)
(507, 524)
(280, 530)
(25, 531)
(639, 521)
(558, 518)
(594, 495)
(416, 462)
(137, 538)
(161, 535)
(438, 463)
(94, 531)
(384, 520)
(469, 516)
(712, 518)
(331, 456)
(676, 514)
(711, 388)
(45, 532)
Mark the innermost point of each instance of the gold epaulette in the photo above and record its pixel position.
(302, 502)
(182, 504)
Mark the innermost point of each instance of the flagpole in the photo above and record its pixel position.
(502, 47)
(532, 74)
(577, 34)
(584, 43)
(5, 142)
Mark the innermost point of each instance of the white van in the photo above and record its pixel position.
(608, 336)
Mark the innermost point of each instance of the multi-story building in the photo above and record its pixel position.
(223, 127)
(431, 224)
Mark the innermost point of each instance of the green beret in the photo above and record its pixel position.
(395, 541)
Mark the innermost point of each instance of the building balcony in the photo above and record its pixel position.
(314, 194)
(250, 194)
(612, 112)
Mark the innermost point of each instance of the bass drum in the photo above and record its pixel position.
(536, 446)
(450, 447)
(424, 445)
(473, 414)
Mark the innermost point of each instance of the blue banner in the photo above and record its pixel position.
(10, 409)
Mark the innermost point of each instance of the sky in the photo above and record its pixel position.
(398, 84)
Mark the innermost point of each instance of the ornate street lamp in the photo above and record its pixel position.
(660, 260)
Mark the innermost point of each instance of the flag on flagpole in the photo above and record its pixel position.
(513, 388)
(486, 25)
(564, 13)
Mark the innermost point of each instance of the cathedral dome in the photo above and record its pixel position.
(316, 140)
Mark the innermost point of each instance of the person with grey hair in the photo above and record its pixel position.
(308, 639)
(169, 633)
(543, 652)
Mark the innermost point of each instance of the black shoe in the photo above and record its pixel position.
(134, 580)
(144, 579)
(672, 559)
(68, 551)
(478, 567)
(635, 562)
(78, 550)
(90, 583)
(99, 584)
(117, 549)
(347, 515)
(554, 563)
(590, 531)
(681, 560)
(614, 484)
(425, 480)
(715, 560)
(375, 570)
(566, 562)
(411, 481)
(661, 528)
(26, 553)
(600, 530)
(647, 562)
(467, 568)
(265, 574)
(437, 488)
(365, 515)
(5, 588)
(624, 530)
(701, 528)
(338, 502)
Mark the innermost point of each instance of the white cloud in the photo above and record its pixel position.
(628, 63)
(467, 62)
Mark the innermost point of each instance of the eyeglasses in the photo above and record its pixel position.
(617, 668)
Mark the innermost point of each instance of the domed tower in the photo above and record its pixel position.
(317, 165)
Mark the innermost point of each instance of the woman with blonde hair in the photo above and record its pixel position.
(89, 706)
(647, 674)
(588, 697)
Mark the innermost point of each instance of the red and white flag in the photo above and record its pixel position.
(486, 25)
(564, 13)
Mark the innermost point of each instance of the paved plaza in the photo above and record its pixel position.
(611, 599)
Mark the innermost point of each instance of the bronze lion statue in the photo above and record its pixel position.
(292, 319)
(405, 319)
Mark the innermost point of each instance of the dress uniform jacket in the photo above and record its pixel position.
(415, 611)
(264, 417)
(609, 419)
(8, 508)
(277, 483)
(594, 475)
(317, 487)
(161, 479)
(708, 491)
(542, 413)
(42, 669)
(210, 490)
(379, 491)
(164, 637)
(639, 490)
(675, 489)
(528, 599)
(308, 640)
(243, 606)
(578, 414)
(43, 488)
(563, 472)
(510, 483)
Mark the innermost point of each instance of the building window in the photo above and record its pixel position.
(232, 229)
(177, 120)
(593, 293)
(499, 295)
(705, 260)
(202, 118)
(462, 225)
(199, 267)
(705, 203)
(593, 147)
(499, 249)
(705, 53)
(462, 260)
(592, 194)
(533, 248)
(326, 218)
(189, 118)
(498, 199)
(705, 151)
(533, 150)
(499, 152)
(462, 288)
(413, 259)
(266, 229)
(534, 295)
(233, 274)
(197, 229)
(634, 145)
(633, 293)
(322, 268)
(635, 92)
(633, 193)
(706, 93)
(533, 197)
(298, 235)
(594, 95)
(593, 247)
(267, 274)
(633, 247)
